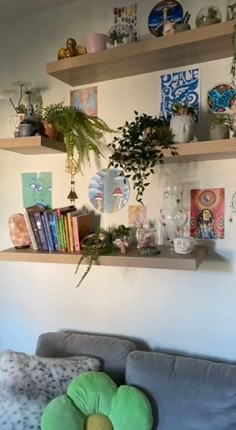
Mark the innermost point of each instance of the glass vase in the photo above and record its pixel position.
(147, 240)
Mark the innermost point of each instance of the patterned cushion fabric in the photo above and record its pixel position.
(28, 383)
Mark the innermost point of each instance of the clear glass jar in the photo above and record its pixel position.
(147, 240)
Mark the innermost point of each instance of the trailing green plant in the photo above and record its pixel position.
(233, 64)
(179, 108)
(99, 243)
(221, 118)
(140, 148)
(82, 133)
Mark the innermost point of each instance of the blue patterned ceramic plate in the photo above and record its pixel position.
(169, 8)
(221, 97)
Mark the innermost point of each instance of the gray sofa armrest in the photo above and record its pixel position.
(112, 351)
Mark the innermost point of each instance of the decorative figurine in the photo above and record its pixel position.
(30, 125)
(71, 50)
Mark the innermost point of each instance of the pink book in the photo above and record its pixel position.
(75, 233)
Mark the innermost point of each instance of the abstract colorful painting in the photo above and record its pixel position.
(37, 189)
(207, 213)
(137, 215)
(85, 99)
(182, 87)
(108, 192)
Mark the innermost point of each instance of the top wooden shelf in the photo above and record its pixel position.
(33, 145)
(189, 47)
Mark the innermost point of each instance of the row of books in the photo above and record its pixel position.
(60, 229)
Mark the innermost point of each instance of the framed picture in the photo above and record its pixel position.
(85, 99)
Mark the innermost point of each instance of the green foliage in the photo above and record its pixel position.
(221, 118)
(140, 149)
(82, 133)
(182, 109)
(233, 64)
(97, 244)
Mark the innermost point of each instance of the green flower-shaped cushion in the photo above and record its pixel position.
(93, 402)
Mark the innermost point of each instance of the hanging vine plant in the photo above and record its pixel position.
(233, 64)
(140, 148)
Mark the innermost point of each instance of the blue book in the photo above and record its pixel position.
(51, 217)
(47, 232)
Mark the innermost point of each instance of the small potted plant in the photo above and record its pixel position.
(100, 243)
(182, 122)
(220, 125)
(49, 117)
(140, 148)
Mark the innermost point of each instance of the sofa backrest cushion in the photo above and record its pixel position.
(186, 393)
(110, 350)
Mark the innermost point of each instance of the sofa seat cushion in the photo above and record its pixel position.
(28, 383)
(186, 393)
(94, 402)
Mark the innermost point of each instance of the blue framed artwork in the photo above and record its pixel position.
(182, 87)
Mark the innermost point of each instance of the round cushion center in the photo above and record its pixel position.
(98, 422)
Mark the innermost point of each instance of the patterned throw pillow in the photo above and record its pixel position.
(28, 383)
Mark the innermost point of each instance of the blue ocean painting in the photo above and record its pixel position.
(182, 87)
(107, 191)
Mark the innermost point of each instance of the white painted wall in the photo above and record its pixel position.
(185, 311)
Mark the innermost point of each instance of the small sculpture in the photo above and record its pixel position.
(71, 50)
(168, 26)
(122, 243)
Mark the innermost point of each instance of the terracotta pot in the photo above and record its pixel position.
(50, 130)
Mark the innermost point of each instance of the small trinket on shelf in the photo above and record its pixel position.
(147, 239)
(18, 231)
(71, 50)
(121, 243)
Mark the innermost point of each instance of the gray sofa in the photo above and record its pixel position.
(186, 393)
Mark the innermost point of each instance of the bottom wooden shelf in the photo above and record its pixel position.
(165, 260)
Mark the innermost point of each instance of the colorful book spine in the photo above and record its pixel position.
(70, 232)
(60, 231)
(51, 216)
(75, 229)
(35, 230)
(30, 230)
(66, 233)
(47, 232)
(39, 224)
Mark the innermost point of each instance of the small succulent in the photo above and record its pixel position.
(179, 108)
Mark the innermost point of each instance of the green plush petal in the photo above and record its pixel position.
(92, 393)
(131, 410)
(61, 414)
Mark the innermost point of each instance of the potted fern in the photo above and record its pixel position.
(81, 133)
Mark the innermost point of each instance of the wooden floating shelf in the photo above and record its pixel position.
(165, 260)
(188, 47)
(34, 145)
(201, 151)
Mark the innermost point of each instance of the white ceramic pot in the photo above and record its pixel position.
(182, 127)
(183, 245)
